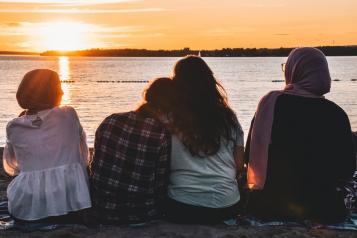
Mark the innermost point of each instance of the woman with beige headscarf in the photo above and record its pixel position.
(300, 146)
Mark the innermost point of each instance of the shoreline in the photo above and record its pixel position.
(347, 50)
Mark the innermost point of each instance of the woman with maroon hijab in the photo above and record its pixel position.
(300, 146)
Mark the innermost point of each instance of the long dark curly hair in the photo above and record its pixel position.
(201, 116)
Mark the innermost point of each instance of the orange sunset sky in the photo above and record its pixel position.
(39, 25)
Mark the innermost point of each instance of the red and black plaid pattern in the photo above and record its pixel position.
(129, 170)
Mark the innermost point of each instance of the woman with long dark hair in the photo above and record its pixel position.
(207, 147)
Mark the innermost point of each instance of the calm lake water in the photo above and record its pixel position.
(245, 80)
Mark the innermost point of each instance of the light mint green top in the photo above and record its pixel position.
(207, 182)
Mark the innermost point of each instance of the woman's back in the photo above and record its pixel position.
(209, 181)
(311, 150)
(48, 153)
(47, 139)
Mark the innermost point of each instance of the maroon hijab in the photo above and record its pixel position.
(306, 75)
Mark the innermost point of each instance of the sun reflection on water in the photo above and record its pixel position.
(64, 69)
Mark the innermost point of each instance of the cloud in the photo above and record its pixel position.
(40, 36)
(264, 3)
(72, 7)
(68, 2)
(12, 24)
(33, 28)
(228, 31)
(83, 11)
(134, 34)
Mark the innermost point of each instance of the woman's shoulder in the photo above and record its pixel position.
(334, 106)
(135, 123)
(22, 121)
(118, 117)
(133, 117)
(66, 109)
(322, 106)
(271, 94)
(336, 110)
(13, 123)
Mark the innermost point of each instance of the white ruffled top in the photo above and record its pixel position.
(48, 153)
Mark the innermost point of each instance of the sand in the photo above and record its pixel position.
(165, 229)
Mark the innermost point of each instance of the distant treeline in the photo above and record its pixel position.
(225, 52)
(17, 53)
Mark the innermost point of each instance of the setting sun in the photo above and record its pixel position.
(64, 36)
(41, 25)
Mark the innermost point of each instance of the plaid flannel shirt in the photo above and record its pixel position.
(129, 170)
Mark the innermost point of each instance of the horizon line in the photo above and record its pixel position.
(184, 48)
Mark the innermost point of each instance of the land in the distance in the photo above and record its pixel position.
(18, 53)
(225, 52)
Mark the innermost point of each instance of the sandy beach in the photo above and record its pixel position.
(165, 229)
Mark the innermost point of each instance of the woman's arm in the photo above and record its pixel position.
(355, 141)
(83, 146)
(9, 160)
(239, 159)
(162, 169)
(238, 153)
(247, 145)
(345, 153)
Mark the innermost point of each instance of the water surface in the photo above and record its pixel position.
(246, 80)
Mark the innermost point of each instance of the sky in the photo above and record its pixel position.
(40, 25)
